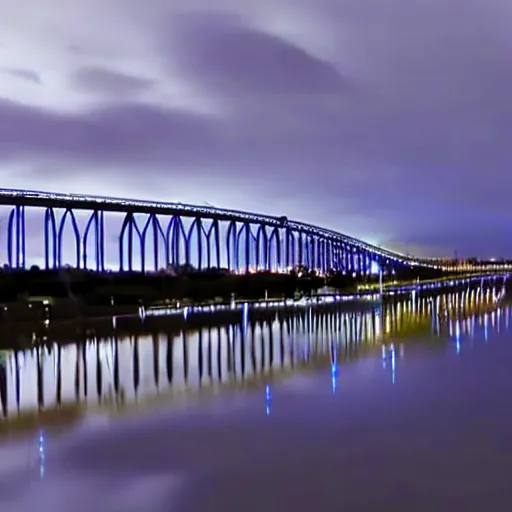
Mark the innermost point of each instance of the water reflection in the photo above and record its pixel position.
(156, 359)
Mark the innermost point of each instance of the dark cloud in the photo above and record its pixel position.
(124, 134)
(24, 74)
(104, 81)
(224, 55)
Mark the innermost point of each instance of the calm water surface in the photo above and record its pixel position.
(402, 407)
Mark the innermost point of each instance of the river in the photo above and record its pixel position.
(401, 405)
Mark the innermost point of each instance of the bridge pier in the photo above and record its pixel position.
(16, 238)
(50, 239)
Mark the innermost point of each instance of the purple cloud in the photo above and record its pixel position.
(24, 74)
(224, 55)
(108, 82)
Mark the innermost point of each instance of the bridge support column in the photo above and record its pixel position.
(238, 246)
(248, 240)
(307, 251)
(50, 239)
(289, 239)
(335, 256)
(101, 240)
(231, 246)
(159, 235)
(216, 238)
(274, 250)
(300, 255)
(363, 261)
(60, 238)
(313, 253)
(126, 228)
(328, 254)
(199, 232)
(16, 238)
(346, 259)
(262, 239)
(96, 221)
(321, 256)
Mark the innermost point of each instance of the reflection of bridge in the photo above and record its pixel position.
(122, 368)
(180, 234)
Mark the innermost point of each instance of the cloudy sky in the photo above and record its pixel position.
(388, 120)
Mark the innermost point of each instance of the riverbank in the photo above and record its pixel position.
(24, 323)
(43, 296)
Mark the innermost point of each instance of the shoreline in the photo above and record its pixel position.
(20, 333)
(49, 297)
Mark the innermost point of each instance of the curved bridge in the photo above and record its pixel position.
(183, 234)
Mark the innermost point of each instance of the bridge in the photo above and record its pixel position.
(155, 235)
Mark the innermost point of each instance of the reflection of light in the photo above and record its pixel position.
(334, 376)
(55, 363)
(245, 316)
(387, 329)
(185, 313)
(41, 453)
(393, 364)
(268, 400)
(377, 324)
(384, 357)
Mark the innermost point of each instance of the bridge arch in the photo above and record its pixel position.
(50, 239)
(94, 224)
(176, 241)
(245, 248)
(261, 249)
(60, 237)
(275, 250)
(231, 246)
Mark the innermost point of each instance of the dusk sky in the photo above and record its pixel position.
(387, 120)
